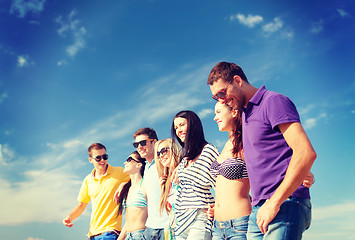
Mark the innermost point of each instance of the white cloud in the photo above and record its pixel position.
(22, 7)
(72, 27)
(353, 111)
(312, 122)
(249, 21)
(273, 26)
(32, 238)
(21, 61)
(288, 34)
(53, 173)
(342, 13)
(62, 62)
(6, 154)
(205, 112)
(39, 198)
(332, 222)
(307, 109)
(78, 44)
(3, 96)
(317, 27)
(24, 60)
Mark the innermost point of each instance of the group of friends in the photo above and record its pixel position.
(261, 178)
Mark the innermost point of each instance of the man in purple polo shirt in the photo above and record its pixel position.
(277, 151)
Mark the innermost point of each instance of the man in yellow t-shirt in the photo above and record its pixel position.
(99, 187)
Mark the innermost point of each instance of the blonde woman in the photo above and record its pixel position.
(168, 155)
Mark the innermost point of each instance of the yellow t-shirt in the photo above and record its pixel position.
(104, 215)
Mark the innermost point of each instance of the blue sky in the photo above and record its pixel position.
(77, 72)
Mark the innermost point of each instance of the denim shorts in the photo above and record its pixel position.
(136, 235)
(197, 229)
(235, 229)
(290, 222)
(154, 234)
(105, 236)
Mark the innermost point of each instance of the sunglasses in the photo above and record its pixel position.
(98, 158)
(162, 151)
(142, 143)
(132, 159)
(222, 94)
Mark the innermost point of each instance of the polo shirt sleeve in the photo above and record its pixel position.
(280, 109)
(84, 193)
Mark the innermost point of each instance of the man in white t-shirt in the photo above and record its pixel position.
(144, 141)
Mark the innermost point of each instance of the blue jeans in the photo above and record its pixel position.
(290, 222)
(105, 236)
(235, 229)
(154, 234)
(197, 229)
(136, 235)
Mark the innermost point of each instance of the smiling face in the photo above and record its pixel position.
(224, 116)
(233, 96)
(180, 126)
(164, 154)
(102, 164)
(146, 151)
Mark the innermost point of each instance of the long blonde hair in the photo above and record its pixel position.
(175, 154)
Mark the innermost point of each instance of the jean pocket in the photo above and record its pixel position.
(241, 227)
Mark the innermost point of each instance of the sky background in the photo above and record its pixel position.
(77, 72)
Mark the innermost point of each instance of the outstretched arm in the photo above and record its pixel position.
(300, 164)
(76, 212)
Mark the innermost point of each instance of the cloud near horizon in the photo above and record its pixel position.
(40, 174)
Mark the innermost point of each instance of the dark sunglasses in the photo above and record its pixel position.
(98, 158)
(132, 159)
(142, 143)
(163, 151)
(222, 94)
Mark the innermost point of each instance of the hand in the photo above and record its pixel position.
(266, 214)
(309, 180)
(116, 196)
(209, 211)
(174, 176)
(118, 192)
(67, 222)
(162, 180)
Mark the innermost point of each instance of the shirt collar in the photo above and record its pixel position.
(108, 171)
(256, 98)
(150, 164)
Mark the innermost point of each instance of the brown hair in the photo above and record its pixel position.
(95, 146)
(150, 132)
(225, 71)
(237, 134)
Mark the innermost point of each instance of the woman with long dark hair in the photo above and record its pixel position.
(194, 176)
(233, 206)
(132, 199)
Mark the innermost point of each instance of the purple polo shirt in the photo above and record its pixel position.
(267, 155)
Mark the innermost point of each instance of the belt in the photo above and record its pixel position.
(113, 231)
